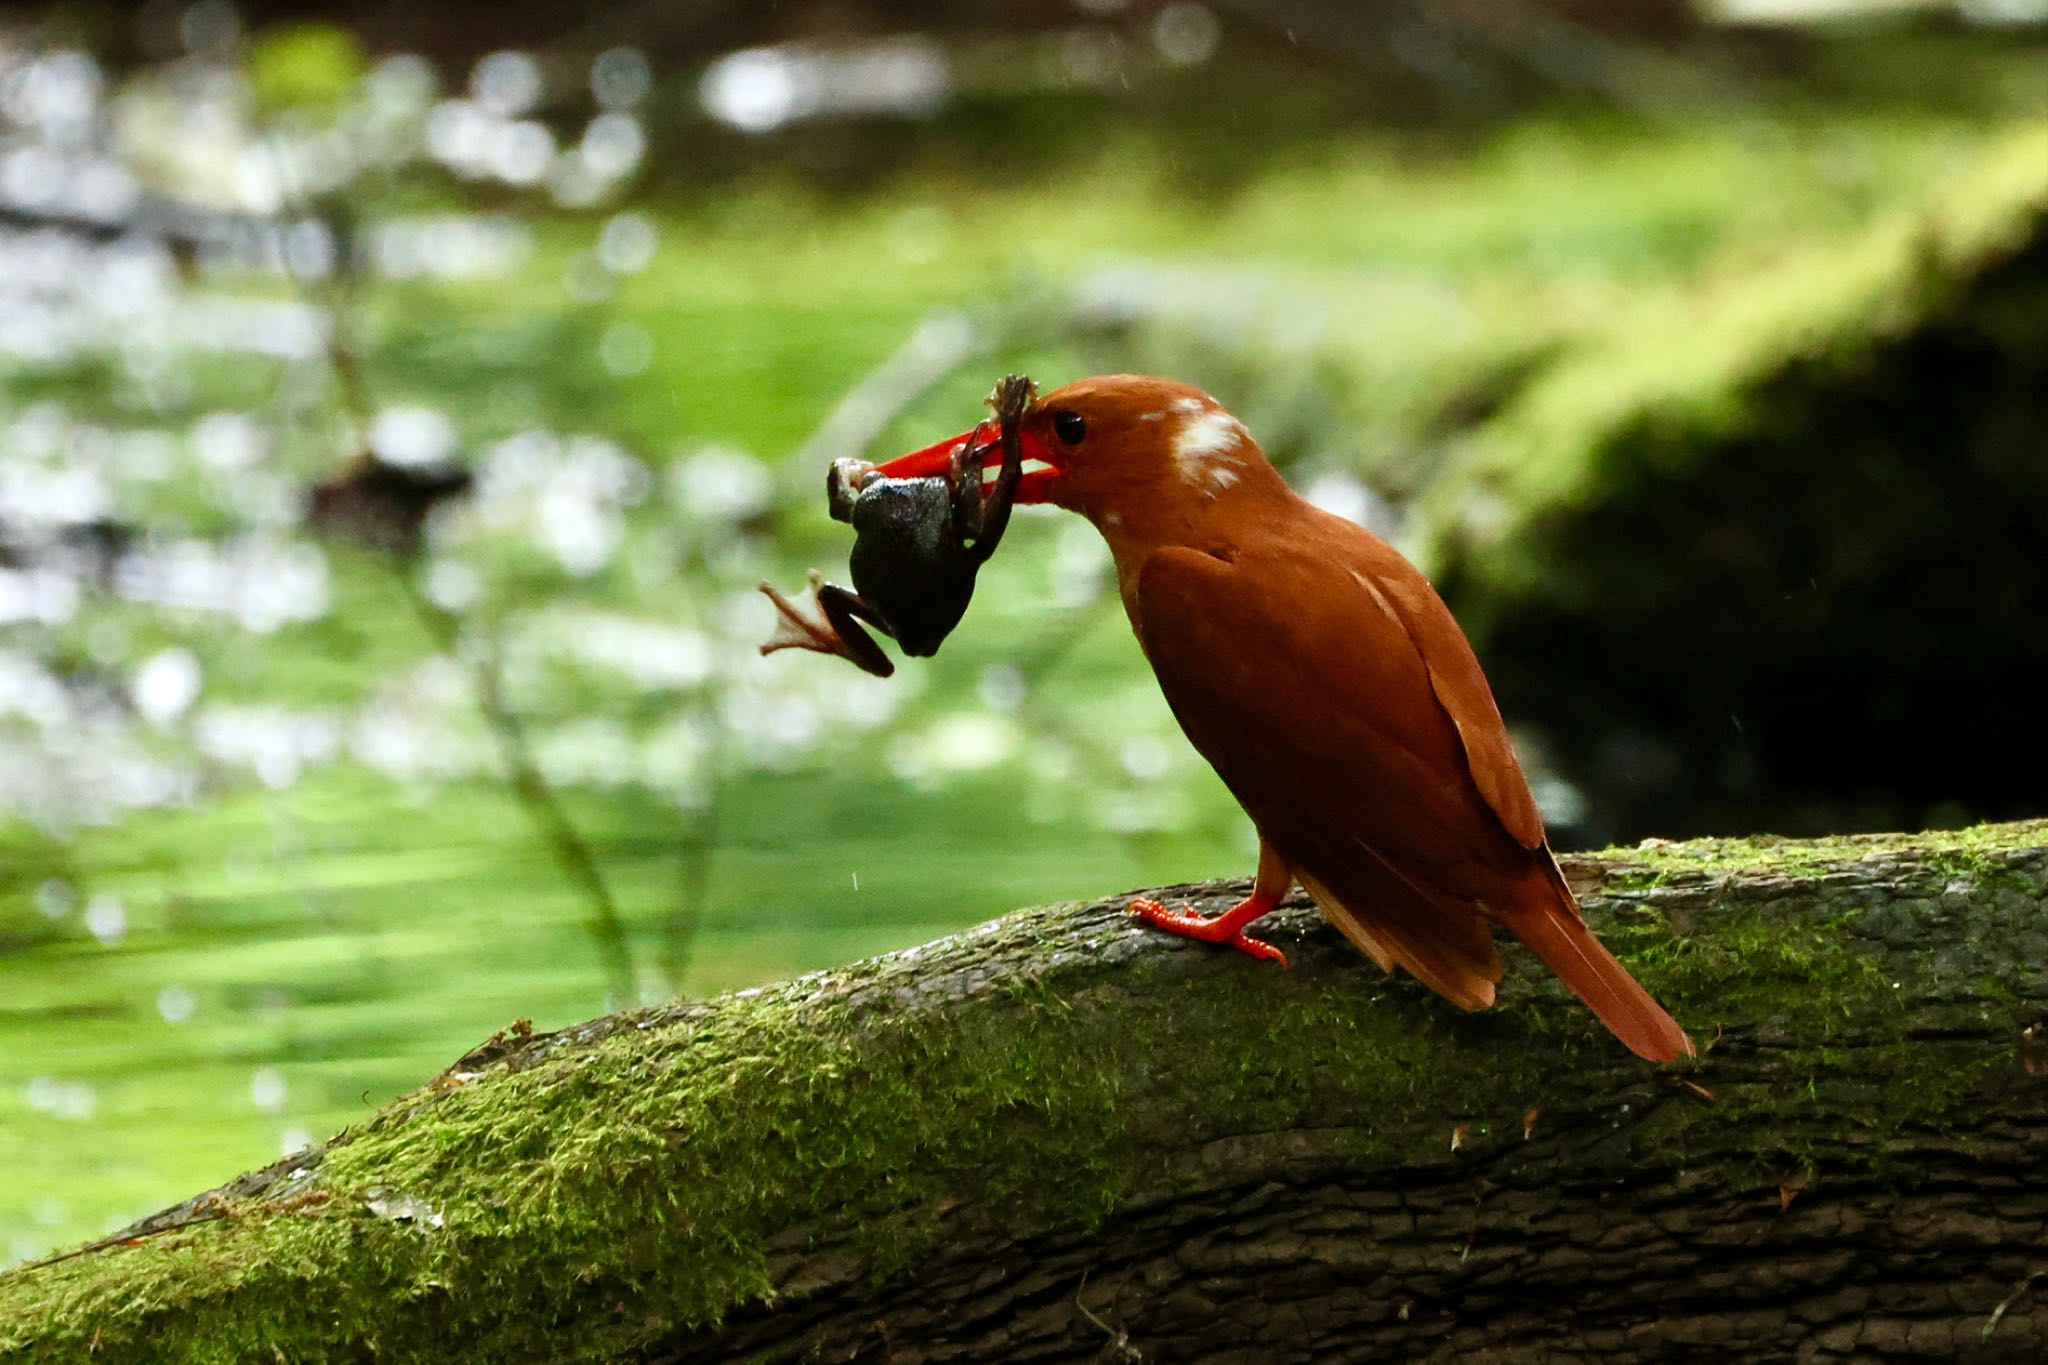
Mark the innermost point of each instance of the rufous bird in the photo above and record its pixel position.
(1327, 683)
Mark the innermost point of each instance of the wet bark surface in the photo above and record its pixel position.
(1509, 1259)
(1562, 1234)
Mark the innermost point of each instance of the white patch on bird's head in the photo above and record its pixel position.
(1208, 445)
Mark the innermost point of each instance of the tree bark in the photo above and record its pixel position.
(1062, 1137)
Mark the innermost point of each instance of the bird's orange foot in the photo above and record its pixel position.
(1226, 928)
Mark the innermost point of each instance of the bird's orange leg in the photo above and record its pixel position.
(1268, 889)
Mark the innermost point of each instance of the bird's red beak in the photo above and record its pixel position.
(937, 458)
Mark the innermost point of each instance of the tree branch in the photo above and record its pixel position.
(1062, 1137)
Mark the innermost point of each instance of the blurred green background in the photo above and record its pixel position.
(399, 404)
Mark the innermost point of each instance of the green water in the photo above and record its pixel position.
(191, 990)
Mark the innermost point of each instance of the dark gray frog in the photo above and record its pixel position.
(918, 545)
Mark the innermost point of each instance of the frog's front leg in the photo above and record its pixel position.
(838, 633)
(963, 482)
(982, 513)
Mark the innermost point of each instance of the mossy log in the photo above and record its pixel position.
(1062, 1136)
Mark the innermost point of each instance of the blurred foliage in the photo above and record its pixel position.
(1772, 559)
(303, 64)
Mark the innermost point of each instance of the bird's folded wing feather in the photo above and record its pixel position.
(1331, 690)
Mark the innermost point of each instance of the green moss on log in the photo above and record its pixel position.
(588, 1193)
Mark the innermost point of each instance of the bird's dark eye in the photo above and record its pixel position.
(1069, 427)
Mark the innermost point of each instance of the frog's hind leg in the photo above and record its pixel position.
(839, 632)
(846, 610)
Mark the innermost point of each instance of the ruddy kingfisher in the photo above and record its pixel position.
(1326, 682)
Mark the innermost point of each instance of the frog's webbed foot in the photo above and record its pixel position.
(1013, 394)
(837, 631)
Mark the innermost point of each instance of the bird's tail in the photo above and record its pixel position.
(1451, 953)
(1550, 927)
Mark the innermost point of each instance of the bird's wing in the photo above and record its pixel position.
(1294, 673)
(1332, 669)
(1462, 692)
(1332, 692)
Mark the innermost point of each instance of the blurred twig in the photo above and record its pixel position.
(572, 853)
(1062, 642)
(939, 344)
(699, 846)
(1439, 41)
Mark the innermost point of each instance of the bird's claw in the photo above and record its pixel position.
(1210, 929)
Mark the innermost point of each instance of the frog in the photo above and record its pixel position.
(919, 544)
